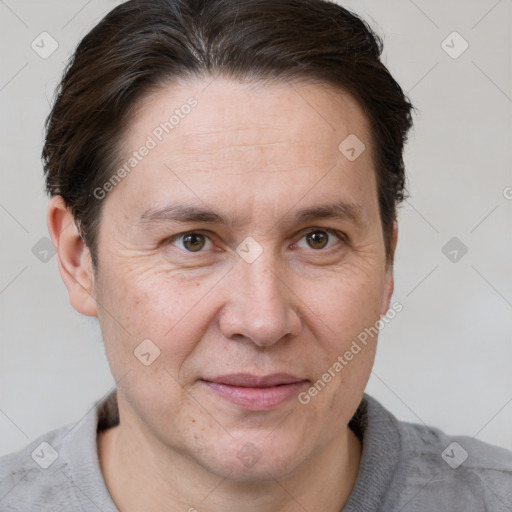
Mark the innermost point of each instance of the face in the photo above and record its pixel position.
(249, 303)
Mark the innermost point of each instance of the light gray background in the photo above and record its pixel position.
(445, 359)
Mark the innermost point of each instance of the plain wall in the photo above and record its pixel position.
(445, 360)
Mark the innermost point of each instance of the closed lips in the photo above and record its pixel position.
(256, 381)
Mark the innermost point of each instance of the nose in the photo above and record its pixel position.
(261, 307)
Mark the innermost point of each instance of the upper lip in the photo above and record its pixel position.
(255, 381)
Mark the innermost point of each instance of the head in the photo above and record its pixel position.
(224, 180)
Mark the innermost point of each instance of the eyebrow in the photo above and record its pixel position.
(186, 214)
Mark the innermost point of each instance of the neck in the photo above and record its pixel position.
(140, 475)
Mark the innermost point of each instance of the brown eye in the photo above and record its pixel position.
(191, 242)
(317, 239)
(320, 239)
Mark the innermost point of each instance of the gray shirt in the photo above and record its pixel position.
(404, 467)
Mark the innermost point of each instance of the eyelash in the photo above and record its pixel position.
(339, 234)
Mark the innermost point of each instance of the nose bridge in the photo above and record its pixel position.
(260, 306)
(264, 285)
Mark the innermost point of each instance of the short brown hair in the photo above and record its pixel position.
(143, 44)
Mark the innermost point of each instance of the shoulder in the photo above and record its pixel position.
(37, 477)
(437, 470)
(59, 471)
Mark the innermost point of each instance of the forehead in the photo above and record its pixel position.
(237, 142)
(266, 113)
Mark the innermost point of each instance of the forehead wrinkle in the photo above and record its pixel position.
(229, 158)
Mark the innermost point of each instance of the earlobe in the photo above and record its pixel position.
(73, 257)
(389, 279)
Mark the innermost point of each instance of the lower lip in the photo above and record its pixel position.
(256, 399)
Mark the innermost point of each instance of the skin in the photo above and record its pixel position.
(255, 153)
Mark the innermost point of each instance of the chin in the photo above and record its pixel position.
(244, 462)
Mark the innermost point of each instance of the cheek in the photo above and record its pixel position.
(346, 303)
(140, 304)
(345, 349)
(345, 311)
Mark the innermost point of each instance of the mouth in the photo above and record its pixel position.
(256, 393)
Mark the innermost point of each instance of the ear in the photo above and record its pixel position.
(73, 257)
(389, 283)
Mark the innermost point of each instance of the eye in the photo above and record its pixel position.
(191, 242)
(317, 239)
(320, 239)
